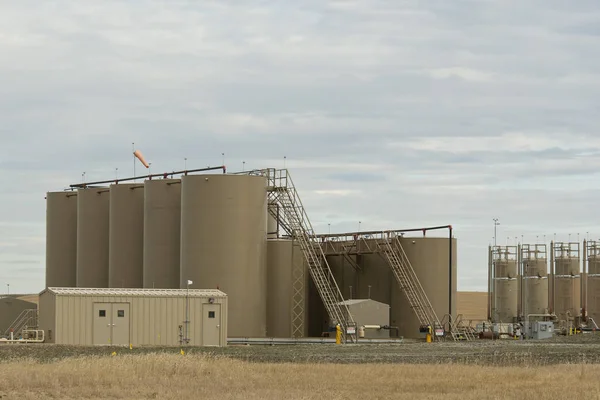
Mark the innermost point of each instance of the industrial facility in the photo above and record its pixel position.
(142, 260)
(531, 286)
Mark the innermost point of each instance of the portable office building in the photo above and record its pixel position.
(91, 316)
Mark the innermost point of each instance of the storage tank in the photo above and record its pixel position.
(284, 261)
(126, 236)
(224, 244)
(505, 292)
(92, 237)
(593, 282)
(162, 229)
(61, 239)
(430, 261)
(567, 281)
(272, 224)
(535, 279)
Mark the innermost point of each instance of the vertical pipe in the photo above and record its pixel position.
(489, 297)
(450, 275)
(551, 295)
(520, 267)
(584, 282)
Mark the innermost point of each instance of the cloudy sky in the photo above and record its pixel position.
(398, 114)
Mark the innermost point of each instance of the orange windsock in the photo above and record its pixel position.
(140, 157)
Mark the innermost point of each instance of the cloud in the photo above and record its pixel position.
(395, 114)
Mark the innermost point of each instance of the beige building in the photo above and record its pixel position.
(85, 316)
(367, 312)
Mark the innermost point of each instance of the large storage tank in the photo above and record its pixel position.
(283, 259)
(224, 244)
(92, 237)
(430, 260)
(162, 229)
(126, 236)
(535, 279)
(61, 239)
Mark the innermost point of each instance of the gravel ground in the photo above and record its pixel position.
(560, 350)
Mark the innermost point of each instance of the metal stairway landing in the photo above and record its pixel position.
(293, 218)
(409, 284)
(27, 319)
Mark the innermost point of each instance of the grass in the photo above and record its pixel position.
(175, 376)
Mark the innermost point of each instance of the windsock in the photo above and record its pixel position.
(140, 157)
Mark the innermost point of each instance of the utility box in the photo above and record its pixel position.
(367, 312)
(541, 330)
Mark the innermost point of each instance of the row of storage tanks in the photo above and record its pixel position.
(213, 230)
(523, 281)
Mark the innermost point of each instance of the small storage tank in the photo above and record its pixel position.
(61, 239)
(126, 233)
(162, 229)
(593, 282)
(506, 295)
(535, 279)
(430, 261)
(567, 282)
(224, 244)
(92, 237)
(283, 259)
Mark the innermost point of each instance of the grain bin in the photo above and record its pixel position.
(430, 261)
(126, 236)
(92, 237)
(162, 229)
(283, 258)
(61, 239)
(224, 244)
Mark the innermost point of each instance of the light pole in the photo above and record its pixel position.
(8, 288)
(329, 228)
(496, 223)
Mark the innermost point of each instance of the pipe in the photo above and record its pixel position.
(164, 175)
(450, 278)
(551, 295)
(489, 296)
(584, 282)
(292, 341)
(333, 235)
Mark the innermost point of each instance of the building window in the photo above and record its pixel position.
(121, 313)
(211, 314)
(102, 313)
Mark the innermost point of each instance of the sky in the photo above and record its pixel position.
(397, 114)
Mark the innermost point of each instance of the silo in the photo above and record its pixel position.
(283, 258)
(505, 292)
(535, 279)
(430, 260)
(162, 228)
(92, 237)
(566, 301)
(375, 279)
(224, 244)
(61, 239)
(272, 223)
(126, 236)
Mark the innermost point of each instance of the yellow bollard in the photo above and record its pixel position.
(428, 338)
(338, 334)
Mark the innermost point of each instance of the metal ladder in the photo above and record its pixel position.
(26, 319)
(407, 280)
(460, 331)
(295, 220)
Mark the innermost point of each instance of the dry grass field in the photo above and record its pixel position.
(175, 376)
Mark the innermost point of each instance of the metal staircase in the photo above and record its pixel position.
(392, 250)
(28, 319)
(460, 331)
(293, 218)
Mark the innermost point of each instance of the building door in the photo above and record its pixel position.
(111, 323)
(101, 323)
(120, 323)
(211, 324)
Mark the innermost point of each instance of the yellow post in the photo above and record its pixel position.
(338, 334)
(428, 338)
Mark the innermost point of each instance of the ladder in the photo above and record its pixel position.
(409, 284)
(26, 319)
(295, 220)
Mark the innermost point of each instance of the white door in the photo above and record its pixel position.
(211, 324)
(102, 323)
(120, 324)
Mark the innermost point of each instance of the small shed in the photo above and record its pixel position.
(93, 316)
(11, 309)
(370, 312)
